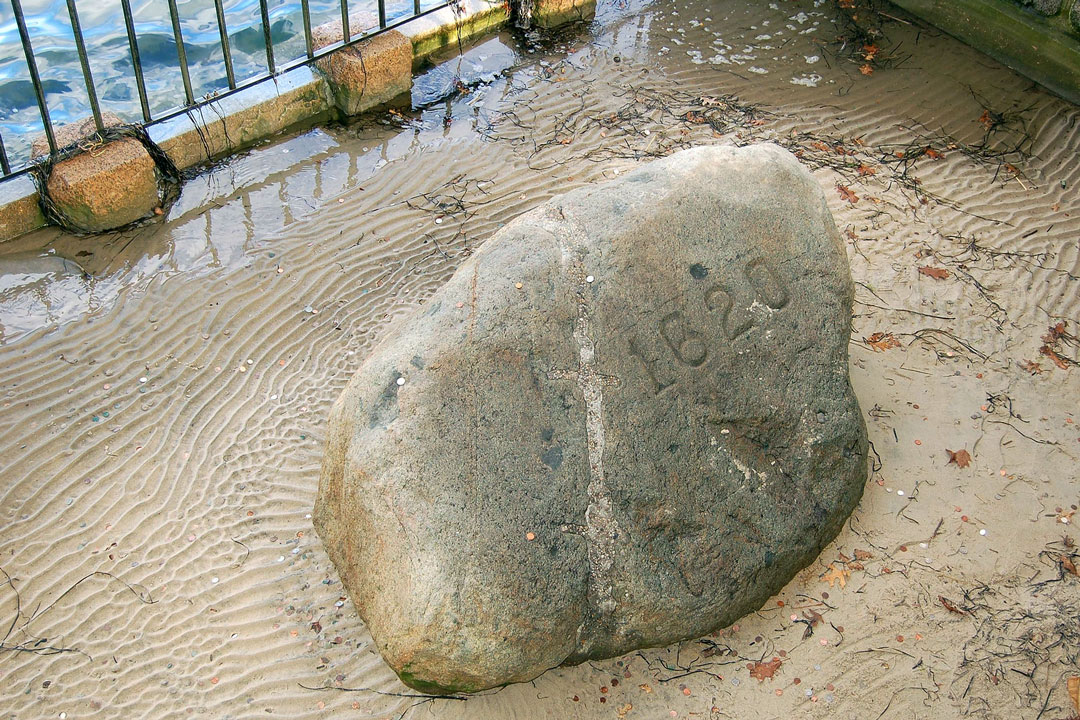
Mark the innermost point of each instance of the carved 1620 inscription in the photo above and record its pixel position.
(725, 316)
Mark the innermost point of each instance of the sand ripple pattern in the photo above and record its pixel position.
(160, 441)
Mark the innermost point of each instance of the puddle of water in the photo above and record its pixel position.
(165, 388)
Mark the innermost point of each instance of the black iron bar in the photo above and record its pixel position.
(136, 61)
(181, 52)
(416, 7)
(84, 61)
(178, 110)
(4, 166)
(382, 14)
(31, 65)
(346, 36)
(226, 51)
(307, 28)
(266, 37)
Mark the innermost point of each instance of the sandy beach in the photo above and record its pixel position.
(165, 388)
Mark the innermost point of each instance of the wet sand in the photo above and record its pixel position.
(165, 389)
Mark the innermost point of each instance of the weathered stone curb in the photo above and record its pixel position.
(20, 211)
(551, 13)
(1042, 42)
(304, 95)
(109, 184)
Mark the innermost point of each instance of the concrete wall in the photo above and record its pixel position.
(1039, 38)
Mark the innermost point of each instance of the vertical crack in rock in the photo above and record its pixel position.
(601, 528)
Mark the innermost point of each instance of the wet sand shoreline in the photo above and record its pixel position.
(162, 412)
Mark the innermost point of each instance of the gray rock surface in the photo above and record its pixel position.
(625, 421)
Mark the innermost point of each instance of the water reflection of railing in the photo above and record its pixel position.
(222, 68)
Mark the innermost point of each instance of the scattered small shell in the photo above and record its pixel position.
(401, 381)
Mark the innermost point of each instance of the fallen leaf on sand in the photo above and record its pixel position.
(645, 687)
(1049, 352)
(961, 457)
(882, 341)
(949, 605)
(847, 193)
(863, 554)
(835, 575)
(1074, 691)
(762, 670)
(621, 712)
(866, 69)
(1068, 565)
(1055, 333)
(936, 273)
(865, 170)
(1032, 367)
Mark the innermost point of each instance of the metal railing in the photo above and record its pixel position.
(400, 13)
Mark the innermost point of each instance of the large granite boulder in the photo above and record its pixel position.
(625, 421)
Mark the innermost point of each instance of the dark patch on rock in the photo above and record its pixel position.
(552, 457)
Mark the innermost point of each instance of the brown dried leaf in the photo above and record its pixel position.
(866, 69)
(847, 193)
(961, 457)
(865, 170)
(1032, 367)
(836, 575)
(863, 554)
(936, 273)
(762, 670)
(1068, 565)
(948, 604)
(1054, 333)
(1073, 684)
(881, 342)
(1049, 352)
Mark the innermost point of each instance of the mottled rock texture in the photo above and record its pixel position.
(625, 421)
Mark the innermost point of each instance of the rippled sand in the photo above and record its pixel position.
(165, 389)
